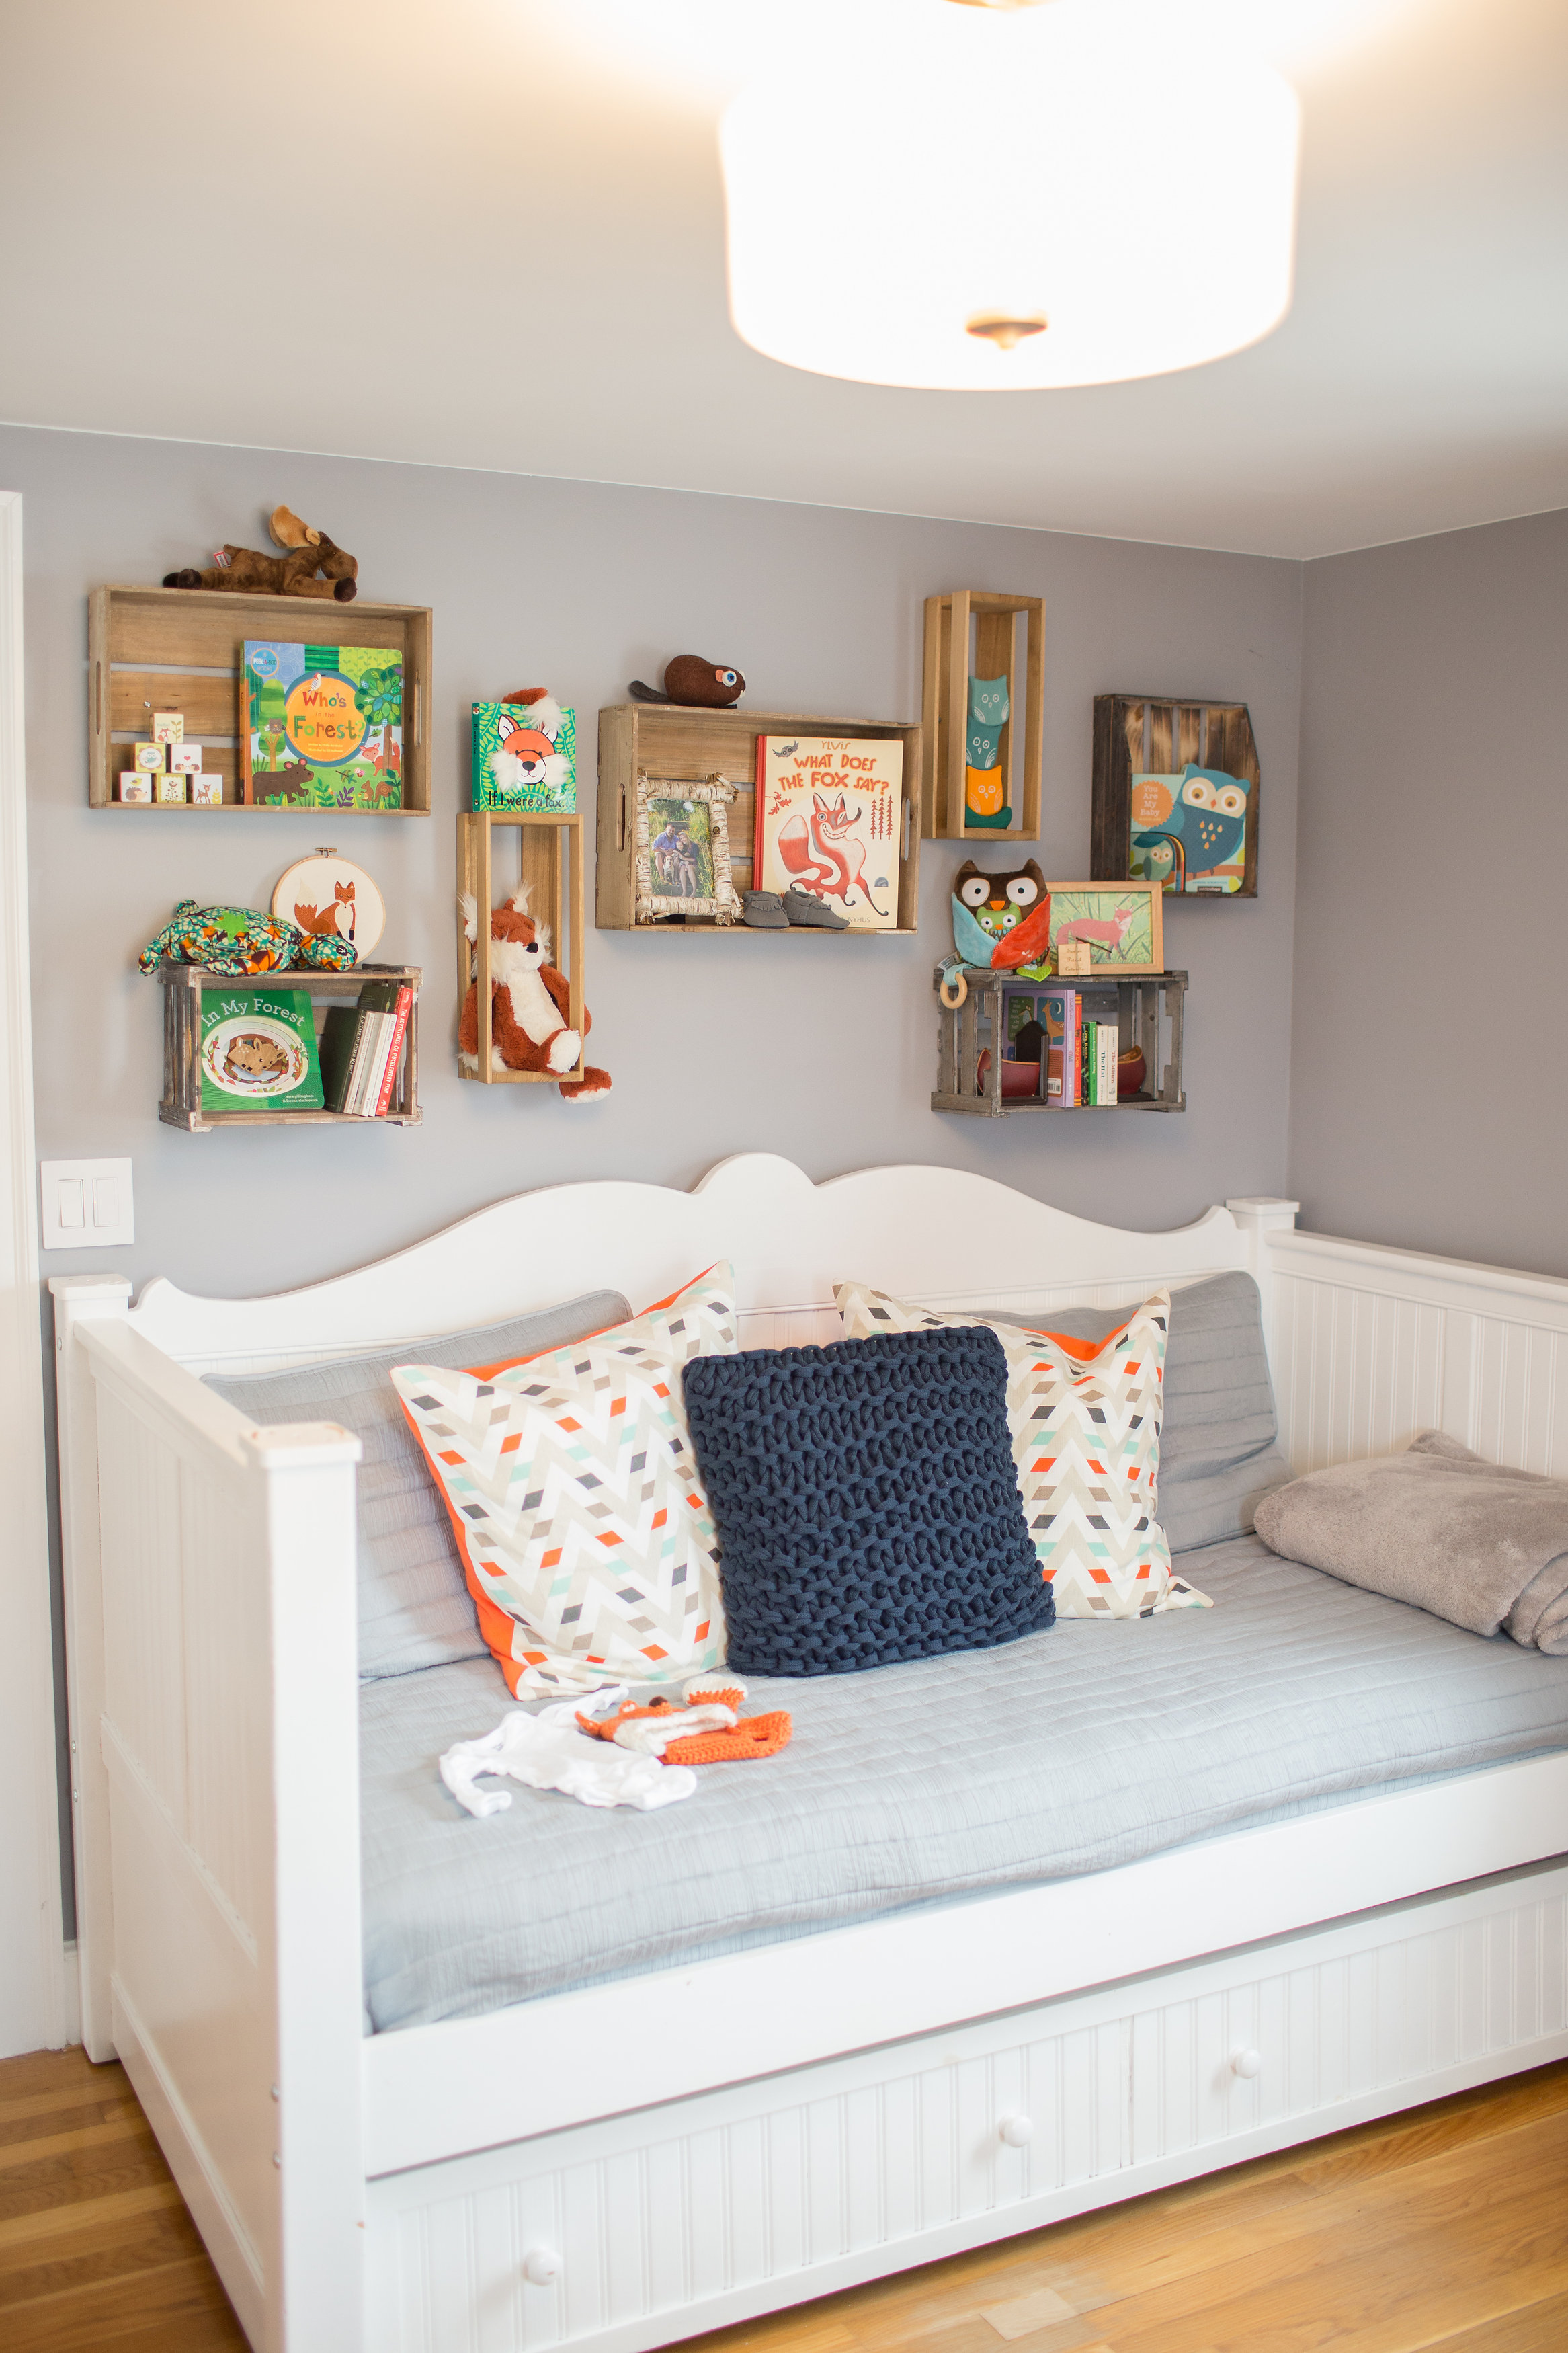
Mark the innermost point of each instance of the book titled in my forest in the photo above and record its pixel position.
(322, 726)
(828, 812)
(257, 1050)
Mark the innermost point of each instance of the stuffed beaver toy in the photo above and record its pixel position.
(702, 685)
(313, 566)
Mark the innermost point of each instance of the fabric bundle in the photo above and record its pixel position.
(1477, 1543)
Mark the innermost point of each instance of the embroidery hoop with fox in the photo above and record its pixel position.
(326, 895)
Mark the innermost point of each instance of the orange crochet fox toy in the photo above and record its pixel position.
(529, 1002)
(705, 1730)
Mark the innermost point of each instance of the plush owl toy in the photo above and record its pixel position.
(1002, 920)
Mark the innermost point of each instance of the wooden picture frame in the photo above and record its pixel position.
(1148, 742)
(666, 801)
(1095, 910)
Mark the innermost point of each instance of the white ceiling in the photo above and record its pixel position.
(489, 233)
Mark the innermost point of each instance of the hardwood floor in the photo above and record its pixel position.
(1442, 2231)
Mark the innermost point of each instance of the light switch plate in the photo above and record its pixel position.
(87, 1204)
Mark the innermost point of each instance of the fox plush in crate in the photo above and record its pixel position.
(529, 1002)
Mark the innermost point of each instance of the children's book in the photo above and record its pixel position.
(829, 811)
(1059, 1016)
(323, 726)
(525, 755)
(257, 1050)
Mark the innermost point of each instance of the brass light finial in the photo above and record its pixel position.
(1000, 327)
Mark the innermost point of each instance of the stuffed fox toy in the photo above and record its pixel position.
(529, 1002)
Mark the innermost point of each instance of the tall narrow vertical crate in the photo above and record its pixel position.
(550, 856)
(944, 813)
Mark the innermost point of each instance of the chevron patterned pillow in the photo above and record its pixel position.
(586, 1535)
(1085, 1418)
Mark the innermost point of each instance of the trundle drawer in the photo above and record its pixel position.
(645, 2228)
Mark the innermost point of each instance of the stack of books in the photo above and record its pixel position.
(359, 1047)
(1082, 1043)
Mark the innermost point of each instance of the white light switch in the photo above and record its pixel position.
(87, 1204)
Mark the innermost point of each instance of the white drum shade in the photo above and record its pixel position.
(1110, 168)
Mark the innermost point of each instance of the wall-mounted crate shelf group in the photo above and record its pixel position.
(995, 620)
(551, 854)
(180, 650)
(184, 985)
(971, 1070)
(666, 741)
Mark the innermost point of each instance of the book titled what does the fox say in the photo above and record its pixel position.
(828, 821)
(323, 726)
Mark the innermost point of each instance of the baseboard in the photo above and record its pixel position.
(229, 2243)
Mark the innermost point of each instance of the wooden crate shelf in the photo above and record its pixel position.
(184, 985)
(944, 814)
(1151, 735)
(551, 851)
(180, 650)
(665, 740)
(1149, 1014)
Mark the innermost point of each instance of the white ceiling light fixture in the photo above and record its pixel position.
(1003, 196)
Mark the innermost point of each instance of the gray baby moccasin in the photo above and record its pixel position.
(802, 907)
(763, 910)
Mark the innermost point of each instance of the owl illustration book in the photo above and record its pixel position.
(1002, 920)
(1200, 843)
(984, 782)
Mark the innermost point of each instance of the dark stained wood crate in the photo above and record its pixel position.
(1139, 735)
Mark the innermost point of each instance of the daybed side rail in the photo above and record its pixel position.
(1371, 1345)
(217, 1579)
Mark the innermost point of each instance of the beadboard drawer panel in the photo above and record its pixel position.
(678, 2219)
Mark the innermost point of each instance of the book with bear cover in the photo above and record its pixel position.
(322, 726)
(828, 811)
(257, 1050)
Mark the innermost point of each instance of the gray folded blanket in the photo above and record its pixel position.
(1471, 1541)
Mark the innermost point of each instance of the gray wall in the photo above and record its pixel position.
(824, 1050)
(1429, 1090)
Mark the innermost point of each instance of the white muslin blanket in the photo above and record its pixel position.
(547, 1751)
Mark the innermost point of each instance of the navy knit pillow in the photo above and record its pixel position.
(866, 1501)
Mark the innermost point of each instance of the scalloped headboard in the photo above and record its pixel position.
(933, 1234)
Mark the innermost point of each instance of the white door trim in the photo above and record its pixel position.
(32, 1951)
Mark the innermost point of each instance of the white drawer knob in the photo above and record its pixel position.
(540, 2266)
(1017, 2131)
(1246, 2063)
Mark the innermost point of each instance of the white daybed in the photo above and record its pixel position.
(630, 2163)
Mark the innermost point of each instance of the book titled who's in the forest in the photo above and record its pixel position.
(828, 821)
(257, 1050)
(323, 726)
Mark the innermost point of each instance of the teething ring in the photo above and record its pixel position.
(957, 982)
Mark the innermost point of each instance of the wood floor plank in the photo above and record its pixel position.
(1535, 2328)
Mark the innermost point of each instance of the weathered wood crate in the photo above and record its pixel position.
(180, 650)
(668, 740)
(1149, 1015)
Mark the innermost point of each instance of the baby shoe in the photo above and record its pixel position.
(763, 910)
(802, 907)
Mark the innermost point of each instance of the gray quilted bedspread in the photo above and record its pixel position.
(1068, 1751)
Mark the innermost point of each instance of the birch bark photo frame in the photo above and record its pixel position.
(682, 851)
